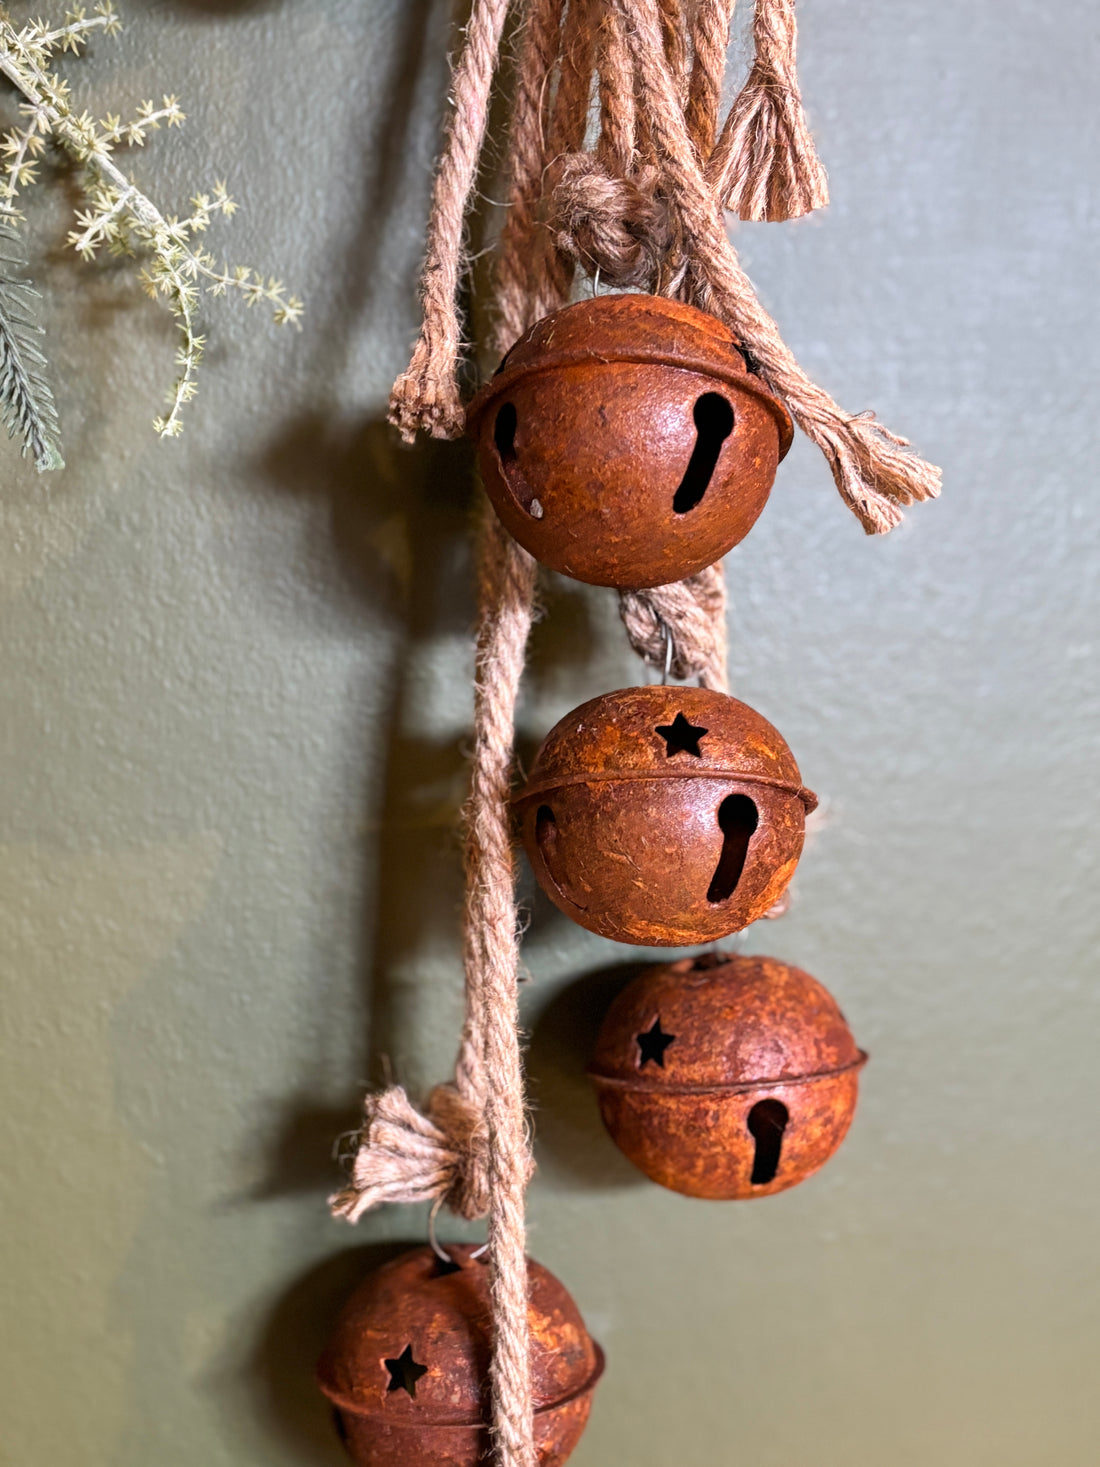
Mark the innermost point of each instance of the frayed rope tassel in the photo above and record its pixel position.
(766, 162)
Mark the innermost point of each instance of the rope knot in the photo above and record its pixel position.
(406, 1155)
(613, 225)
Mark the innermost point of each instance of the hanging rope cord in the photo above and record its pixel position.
(643, 209)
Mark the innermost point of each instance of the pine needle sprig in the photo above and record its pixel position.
(26, 402)
(118, 216)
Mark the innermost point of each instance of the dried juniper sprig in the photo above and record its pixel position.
(119, 216)
(26, 402)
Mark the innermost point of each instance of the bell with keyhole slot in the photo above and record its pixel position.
(624, 441)
(726, 1076)
(406, 1368)
(664, 816)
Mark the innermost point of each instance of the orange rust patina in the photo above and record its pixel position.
(725, 1076)
(408, 1362)
(664, 815)
(624, 441)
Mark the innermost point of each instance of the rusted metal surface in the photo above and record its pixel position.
(716, 1070)
(625, 443)
(641, 803)
(407, 1365)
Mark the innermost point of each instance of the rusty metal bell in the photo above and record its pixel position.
(407, 1365)
(624, 441)
(664, 816)
(726, 1076)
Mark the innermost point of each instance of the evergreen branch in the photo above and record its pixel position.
(120, 216)
(36, 39)
(26, 402)
(21, 147)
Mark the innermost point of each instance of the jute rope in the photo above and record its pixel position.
(767, 165)
(710, 41)
(426, 395)
(683, 624)
(639, 206)
(471, 1146)
(872, 470)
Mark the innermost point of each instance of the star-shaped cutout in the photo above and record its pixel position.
(404, 1372)
(653, 1043)
(681, 737)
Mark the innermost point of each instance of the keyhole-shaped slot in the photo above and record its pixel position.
(504, 433)
(713, 425)
(737, 819)
(504, 438)
(546, 838)
(767, 1121)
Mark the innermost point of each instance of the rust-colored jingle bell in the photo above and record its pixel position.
(726, 1076)
(664, 816)
(407, 1365)
(624, 441)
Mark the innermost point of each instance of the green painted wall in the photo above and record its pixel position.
(236, 702)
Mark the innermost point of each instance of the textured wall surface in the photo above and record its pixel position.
(236, 703)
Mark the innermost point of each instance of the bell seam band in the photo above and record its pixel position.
(742, 1087)
(542, 787)
(344, 1403)
(701, 366)
(716, 1087)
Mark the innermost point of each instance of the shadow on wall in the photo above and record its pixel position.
(418, 36)
(219, 9)
(399, 521)
(571, 1145)
(281, 1370)
(399, 524)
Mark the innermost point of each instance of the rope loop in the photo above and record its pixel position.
(680, 627)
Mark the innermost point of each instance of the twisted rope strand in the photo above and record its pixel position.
(426, 395)
(507, 582)
(517, 258)
(491, 930)
(872, 470)
(617, 147)
(710, 42)
(568, 125)
(693, 612)
(674, 39)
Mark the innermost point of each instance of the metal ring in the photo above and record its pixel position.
(439, 1251)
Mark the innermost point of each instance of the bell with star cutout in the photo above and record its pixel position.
(407, 1366)
(726, 1076)
(625, 442)
(664, 816)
